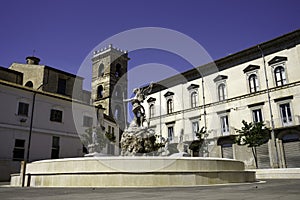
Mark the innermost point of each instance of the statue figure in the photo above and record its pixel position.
(165, 150)
(137, 107)
(138, 139)
(94, 137)
(182, 147)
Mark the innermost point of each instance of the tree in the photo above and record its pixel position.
(253, 135)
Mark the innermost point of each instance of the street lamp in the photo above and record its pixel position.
(273, 148)
(29, 137)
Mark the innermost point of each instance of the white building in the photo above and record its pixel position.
(38, 99)
(221, 94)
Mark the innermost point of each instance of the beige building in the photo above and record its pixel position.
(50, 105)
(221, 94)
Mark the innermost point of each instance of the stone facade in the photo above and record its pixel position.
(109, 82)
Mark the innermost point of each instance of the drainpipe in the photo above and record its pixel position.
(273, 154)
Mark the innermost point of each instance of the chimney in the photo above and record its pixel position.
(32, 60)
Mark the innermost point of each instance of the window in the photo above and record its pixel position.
(101, 70)
(194, 99)
(171, 133)
(286, 114)
(169, 98)
(29, 84)
(253, 83)
(169, 106)
(118, 70)
(252, 77)
(193, 90)
(100, 92)
(55, 147)
(151, 103)
(56, 115)
(87, 121)
(195, 128)
(61, 87)
(23, 109)
(220, 81)
(19, 150)
(224, 125)
(151, 110)
(222, 92)
(257, 115)
(280, 78)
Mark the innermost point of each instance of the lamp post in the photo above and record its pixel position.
(274, 155)
(205, 122)
(29, 137)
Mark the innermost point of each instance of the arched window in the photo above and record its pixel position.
(29, 84)
(222, 92)
(118, 70)
(170, 106)
(280, 78)
(151, 110)
(101, 70)
(100, 92)
(253, 83)
(194, 99)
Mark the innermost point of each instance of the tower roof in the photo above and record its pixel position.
(110, 48)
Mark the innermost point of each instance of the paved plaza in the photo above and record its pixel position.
(268, 189)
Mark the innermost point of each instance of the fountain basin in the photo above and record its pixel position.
(133, 172)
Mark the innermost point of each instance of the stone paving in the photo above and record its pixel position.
(269, 190)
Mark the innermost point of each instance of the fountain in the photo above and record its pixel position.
(143, 163)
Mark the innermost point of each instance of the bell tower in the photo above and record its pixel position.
(109, 82)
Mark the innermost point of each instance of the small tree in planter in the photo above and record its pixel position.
(252, 135)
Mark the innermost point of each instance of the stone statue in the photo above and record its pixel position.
(181, 147)
(137, 107)
(165, 150)
(138, 139)
(94, 137)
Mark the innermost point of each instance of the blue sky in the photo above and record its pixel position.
(63, 32)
